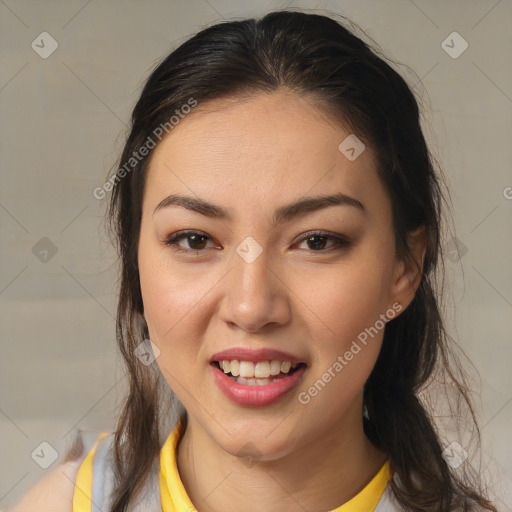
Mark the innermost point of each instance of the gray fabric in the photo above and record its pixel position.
(101, 474)
(103, 482)
(388, 503)
(88, 439)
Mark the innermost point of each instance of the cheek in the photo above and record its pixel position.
(349, 300)
(173, 307)
(169, 291)
(347, 344)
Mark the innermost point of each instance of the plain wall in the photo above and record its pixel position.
(62, 126)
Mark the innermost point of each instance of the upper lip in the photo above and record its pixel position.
(254, 355)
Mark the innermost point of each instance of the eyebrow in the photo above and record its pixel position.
(283, 214)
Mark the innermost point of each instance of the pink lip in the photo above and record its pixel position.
(256, 396)
(246, 354)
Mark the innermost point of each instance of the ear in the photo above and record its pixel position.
(407, 276)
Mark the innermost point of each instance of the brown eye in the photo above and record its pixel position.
(317, 242)
(196, 241)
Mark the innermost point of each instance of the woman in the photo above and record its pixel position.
(278, 219)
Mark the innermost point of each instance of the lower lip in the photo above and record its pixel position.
(256, 396)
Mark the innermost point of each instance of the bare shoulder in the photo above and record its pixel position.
(53, 493)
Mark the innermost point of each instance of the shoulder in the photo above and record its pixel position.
(54, 492)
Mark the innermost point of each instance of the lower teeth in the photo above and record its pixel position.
(254, 381)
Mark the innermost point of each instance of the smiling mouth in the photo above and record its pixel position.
(259, 374)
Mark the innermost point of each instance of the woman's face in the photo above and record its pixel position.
(257, 281)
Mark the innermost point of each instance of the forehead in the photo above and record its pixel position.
(274, 145)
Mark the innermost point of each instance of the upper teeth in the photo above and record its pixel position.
(263, 369)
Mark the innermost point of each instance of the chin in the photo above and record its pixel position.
(251, 448)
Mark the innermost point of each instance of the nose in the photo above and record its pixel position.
(255, 295)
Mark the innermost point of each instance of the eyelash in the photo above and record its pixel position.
(172, 241)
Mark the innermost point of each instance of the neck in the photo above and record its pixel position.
(320, 475)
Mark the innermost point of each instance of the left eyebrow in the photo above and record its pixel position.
(312, 204)
(283, 214)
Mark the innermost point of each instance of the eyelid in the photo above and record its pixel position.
(340, 241)
(172, 240)
(323, 234)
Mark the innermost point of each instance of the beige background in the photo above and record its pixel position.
(62, 125)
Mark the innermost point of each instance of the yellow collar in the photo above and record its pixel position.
(175, 499)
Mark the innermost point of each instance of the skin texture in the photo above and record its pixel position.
(53, 493)
(252, 156)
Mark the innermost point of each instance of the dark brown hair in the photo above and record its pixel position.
(317, 56)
